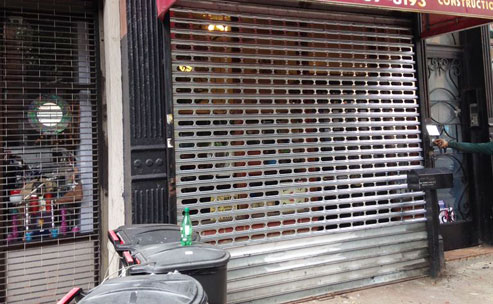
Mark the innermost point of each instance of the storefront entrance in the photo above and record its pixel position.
(458, 104)
(445, 69)
(293, 136)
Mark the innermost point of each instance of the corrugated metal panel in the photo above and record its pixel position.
(286, 270)
(49, 198)
(294, 132)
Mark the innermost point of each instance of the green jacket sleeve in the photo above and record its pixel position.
(486, 148)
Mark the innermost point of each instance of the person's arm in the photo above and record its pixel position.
(486, 148)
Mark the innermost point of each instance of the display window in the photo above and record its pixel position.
(48, 124)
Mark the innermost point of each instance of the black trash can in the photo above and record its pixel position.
(172, 288)
(126, 238)
(204, 262)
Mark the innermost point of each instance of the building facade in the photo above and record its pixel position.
(287, 128)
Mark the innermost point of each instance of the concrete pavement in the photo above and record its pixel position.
(467, 278)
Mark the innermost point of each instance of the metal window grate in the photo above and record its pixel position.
(288, 126)
(49, 200)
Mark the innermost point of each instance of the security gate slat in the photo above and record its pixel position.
(197, 114)
(291, 132)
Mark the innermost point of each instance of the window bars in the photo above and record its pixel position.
(49, 201)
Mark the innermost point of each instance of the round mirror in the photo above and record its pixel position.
(49, 114)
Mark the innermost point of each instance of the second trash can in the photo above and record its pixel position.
(126, 238)
(204, 262)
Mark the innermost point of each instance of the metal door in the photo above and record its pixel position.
(49, 203)
(293, 132)
(447, 109)
(142, 49)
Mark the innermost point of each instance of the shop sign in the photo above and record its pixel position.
(471, 8)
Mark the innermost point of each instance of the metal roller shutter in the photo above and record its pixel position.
(49, 202)
(293, 133)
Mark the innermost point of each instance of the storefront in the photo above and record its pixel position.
(294, 127)
(49, 202)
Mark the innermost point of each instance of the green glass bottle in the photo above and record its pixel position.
(186, 229)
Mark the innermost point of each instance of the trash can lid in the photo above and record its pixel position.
(172, 256)
(164, 288)
(149, 234)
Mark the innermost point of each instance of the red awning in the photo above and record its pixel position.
(440, 16)
(163, 6)
(434, 24)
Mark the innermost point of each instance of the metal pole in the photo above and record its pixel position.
(433, 226)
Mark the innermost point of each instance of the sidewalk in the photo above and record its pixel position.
(467, 278)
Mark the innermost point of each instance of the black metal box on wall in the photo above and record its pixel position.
(429, 179)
